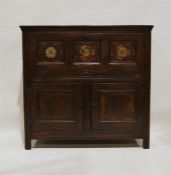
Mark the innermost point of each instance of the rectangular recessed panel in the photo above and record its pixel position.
(116, 106)
(50, 51)
(56, 111)
(57, 105)
(123, 51)
(86, 52)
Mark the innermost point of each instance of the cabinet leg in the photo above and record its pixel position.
(146, 143)
(27, 144)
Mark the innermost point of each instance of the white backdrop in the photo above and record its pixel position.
(13, 158)
(78, 12)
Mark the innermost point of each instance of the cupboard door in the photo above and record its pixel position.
(56, 106)
(117, 106)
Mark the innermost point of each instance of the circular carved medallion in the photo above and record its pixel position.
(86, 52)
(50, 52)
(122, 52)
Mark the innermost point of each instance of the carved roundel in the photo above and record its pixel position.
(123, 51)
(50, 52)
(86, 52)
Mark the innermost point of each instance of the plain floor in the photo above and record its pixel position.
(115, 160)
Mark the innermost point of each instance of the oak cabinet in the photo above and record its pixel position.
(86, 82)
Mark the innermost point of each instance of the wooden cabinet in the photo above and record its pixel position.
(86, 82)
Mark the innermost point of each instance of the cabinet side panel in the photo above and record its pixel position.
(26, 90)
(147, 86)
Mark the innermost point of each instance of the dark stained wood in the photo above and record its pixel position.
(86, 82)
(58, 106)
(117, 106)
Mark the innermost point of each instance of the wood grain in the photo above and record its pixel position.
(94, 85)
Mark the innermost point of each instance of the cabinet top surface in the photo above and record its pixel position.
(88, 27)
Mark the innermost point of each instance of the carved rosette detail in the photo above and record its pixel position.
(122, 52)
(50, 52)
(86, 52)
